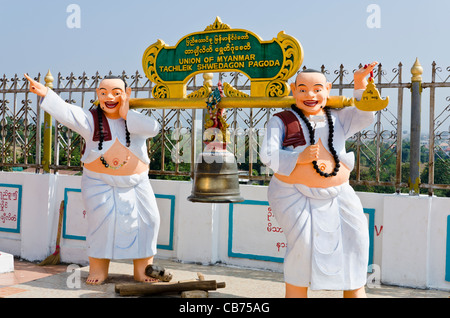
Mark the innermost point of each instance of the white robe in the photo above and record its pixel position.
(326, 230)
(123, 217)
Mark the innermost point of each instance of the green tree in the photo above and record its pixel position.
(441, 176)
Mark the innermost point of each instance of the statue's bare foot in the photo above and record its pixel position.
(95, 279)
(98, 271)
(139, 270)
(145, 279)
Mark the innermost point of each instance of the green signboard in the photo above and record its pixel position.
(268, 64)
(217, 51)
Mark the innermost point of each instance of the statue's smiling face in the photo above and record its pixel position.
(109, 94)
(311, 91)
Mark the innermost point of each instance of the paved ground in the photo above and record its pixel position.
(32, 281)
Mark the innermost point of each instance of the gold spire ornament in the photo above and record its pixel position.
(371, 99)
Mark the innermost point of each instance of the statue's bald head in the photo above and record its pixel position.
(309, 71)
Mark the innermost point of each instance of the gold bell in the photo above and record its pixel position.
(216, 178)
(371, 99)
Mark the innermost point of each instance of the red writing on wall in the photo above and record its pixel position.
(376, 230)
(274, 229)
(8, 207)
(270, 227)
(5, 197)
(281, 245)
(8, 217)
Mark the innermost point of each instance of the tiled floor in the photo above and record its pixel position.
(24, 272)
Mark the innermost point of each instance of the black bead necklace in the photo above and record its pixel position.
(330, 140)
(100, 143)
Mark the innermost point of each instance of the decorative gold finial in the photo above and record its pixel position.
(49, 80)
(207, 79)
(416, 71)
(217, 25)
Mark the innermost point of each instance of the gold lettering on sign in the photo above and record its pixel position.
(176, 68)
(265, 63)
(194, 60)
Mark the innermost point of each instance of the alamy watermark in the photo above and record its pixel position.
(374, 279)
(238, 141)
(374, 19)
(73, 20)
(73, 281)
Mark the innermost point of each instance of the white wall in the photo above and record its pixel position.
(405, 240)
(35, 215)
(409, 234)
(439, 248)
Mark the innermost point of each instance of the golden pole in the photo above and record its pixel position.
(47, 158)
(231, 102)
(414, 155)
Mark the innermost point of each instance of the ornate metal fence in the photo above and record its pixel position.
(382, 150)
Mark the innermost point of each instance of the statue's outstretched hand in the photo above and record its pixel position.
(36, 87)
(360, 81)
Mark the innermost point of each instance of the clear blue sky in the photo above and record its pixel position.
(114, 34)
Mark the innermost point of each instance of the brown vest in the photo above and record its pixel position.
(106, 130)
(293, 133)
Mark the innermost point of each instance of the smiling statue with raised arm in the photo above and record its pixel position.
(321, 215)
(123, 218)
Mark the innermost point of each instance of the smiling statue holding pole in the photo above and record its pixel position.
(123, 218)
